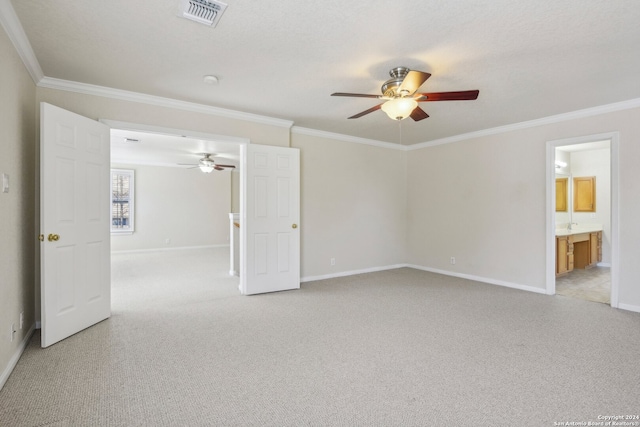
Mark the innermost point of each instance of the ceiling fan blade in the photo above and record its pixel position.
(412, 82)
(225, 166)
(463, 95)
(186, 164)
(418, 114)
(218, 168)
(356, 95)
(370, 110)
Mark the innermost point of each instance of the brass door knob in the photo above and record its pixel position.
(53, 237)
(294, 226)
(41, 237)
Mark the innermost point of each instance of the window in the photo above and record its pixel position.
(122, 189)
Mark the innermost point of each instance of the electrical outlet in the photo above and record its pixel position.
(5, 183)
(167, 241)
(21, 319)
(453, 260)
(13, 331)
(333, 261)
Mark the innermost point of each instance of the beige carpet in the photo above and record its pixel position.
(394, 348)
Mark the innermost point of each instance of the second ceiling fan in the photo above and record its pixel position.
(207, 164)
(401, 97)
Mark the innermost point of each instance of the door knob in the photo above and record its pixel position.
(41, 237)
(294, 226)
(53, 237)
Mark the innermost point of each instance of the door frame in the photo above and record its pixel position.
(614, 138)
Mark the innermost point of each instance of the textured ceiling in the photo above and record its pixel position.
(283, 59)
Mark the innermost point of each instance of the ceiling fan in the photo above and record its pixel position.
(207, 164)
(401, 97)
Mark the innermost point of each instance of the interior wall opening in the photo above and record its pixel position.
(183, 211)
(583, 218)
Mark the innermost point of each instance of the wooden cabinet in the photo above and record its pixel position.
(584, 194)
(587, 249)
(564, 255)
(561, 194)
(595, 248)
(582, 250)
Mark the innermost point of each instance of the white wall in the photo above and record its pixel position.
(483, 201)
(596, 163)
(97, 107)
(186, 206)
(353, 206)
(17, 223)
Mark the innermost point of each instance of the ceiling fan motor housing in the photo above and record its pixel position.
(390, 87)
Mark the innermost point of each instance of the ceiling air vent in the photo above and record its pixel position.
(203, 11)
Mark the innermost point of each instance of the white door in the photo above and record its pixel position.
(74, 223)
(270, 226)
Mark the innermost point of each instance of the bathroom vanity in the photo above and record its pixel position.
(578, 247)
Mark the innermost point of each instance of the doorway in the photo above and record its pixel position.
(181, 211)
(584, 283)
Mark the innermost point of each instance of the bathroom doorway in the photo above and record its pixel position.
(582, 242)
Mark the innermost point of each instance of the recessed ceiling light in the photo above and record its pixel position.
(211, 80)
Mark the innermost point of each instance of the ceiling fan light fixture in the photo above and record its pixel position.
(399, 108)
(560, 164)
(206, 165)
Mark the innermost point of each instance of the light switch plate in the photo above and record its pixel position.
(5, 183)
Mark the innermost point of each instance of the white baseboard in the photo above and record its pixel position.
(16, 356)
(432, 270)
(629, 307)
(481, 279)
(604, 264)
(350, 273)
(179, 248)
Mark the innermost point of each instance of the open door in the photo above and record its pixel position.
(269, 230)
(74, 223)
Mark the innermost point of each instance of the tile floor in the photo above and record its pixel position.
(593, 284)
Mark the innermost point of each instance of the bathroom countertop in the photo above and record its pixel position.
(578, 229)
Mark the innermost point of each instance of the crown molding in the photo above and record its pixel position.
(578, 114)
(125, 95)
(346, 138)
(12, 26)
